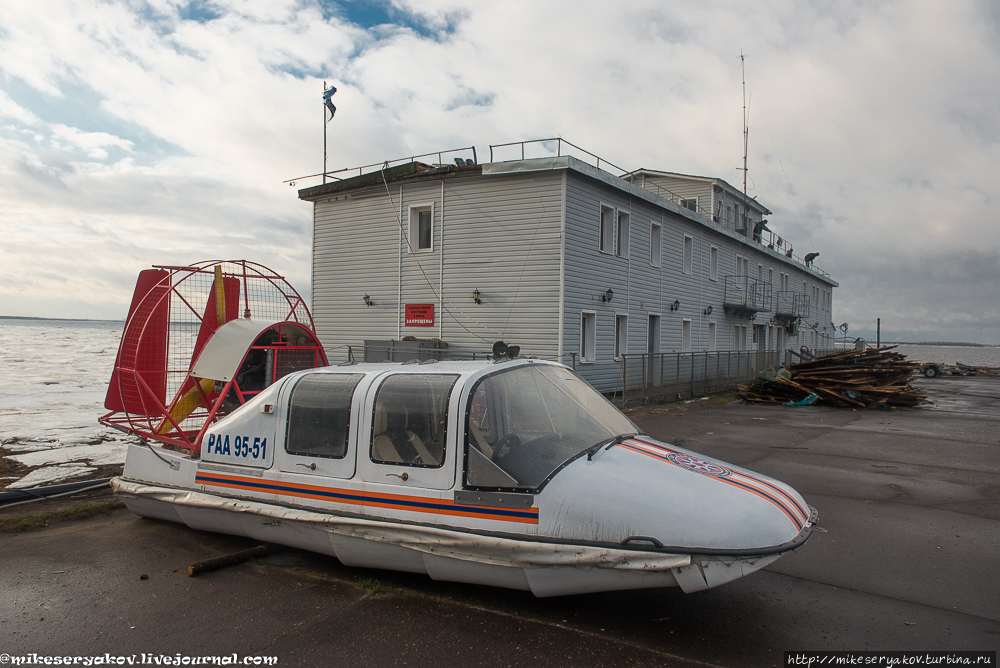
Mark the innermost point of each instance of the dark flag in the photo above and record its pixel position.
(327, 94)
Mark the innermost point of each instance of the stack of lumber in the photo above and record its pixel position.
(854, 378)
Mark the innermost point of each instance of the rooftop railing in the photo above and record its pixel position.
(558, 150)
(349, 172)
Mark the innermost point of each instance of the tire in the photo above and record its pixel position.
(930, 371)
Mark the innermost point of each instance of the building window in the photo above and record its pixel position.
(607, 229)
(711, 336)
(655, 235)
(685, 336)
(729, 215)
(690, 204)
(688, 252)
(588, 336)
(621, 335)
(713, 266)
(742, 266)
(621, 247)
(421, 232)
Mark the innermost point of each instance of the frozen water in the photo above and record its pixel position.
(52, 474)
(112, 452)
(55, 376)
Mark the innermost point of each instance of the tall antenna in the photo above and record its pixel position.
(324, 142)
(746, 136)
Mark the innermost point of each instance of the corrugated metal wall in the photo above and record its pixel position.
(642, 290)
(498, 235)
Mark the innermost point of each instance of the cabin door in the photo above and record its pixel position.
(409, 430)
(320, 424)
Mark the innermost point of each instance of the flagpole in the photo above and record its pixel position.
(324, 137)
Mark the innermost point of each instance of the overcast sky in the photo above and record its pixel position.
(135, 133)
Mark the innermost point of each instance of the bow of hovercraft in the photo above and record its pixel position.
(642, 494)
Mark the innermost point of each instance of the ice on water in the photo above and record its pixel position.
(55, 376)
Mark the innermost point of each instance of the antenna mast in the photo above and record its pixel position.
(746, 135)
(324, 141)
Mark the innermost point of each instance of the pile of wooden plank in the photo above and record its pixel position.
(854, 378)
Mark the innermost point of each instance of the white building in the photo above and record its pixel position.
(564, 259)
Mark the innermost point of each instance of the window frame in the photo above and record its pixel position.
(713, 263)
(686, 335)
(413, 232)
(622, 247)
(687, 260)
(447, 419)
(655, 244)
(621, 335)
(606, 232)
(359, 377)
(588, 344)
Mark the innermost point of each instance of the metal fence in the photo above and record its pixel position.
(660, 377)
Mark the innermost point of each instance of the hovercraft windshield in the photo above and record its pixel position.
(525, 422)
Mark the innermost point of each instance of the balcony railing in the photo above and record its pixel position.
(791, 304)
(745, 294)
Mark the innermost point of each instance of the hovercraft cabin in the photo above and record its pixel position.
(565, 259)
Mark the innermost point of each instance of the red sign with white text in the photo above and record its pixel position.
(419, 315)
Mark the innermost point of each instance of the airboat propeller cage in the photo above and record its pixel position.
(200, 341)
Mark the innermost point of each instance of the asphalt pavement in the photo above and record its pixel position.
(909, 500)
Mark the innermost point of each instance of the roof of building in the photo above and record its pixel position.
(707, 179)
(422, 171)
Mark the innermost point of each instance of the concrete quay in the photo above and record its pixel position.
(909, 499)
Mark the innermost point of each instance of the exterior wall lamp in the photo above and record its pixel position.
(476, 296)
(676, 305)
(606, 297)
(368, 300)
(708, 310)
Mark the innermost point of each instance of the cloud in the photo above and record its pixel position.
(94, 143)
(167, 127)
(10, 110)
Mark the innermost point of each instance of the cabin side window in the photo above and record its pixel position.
(319, 415)
(411, 420)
